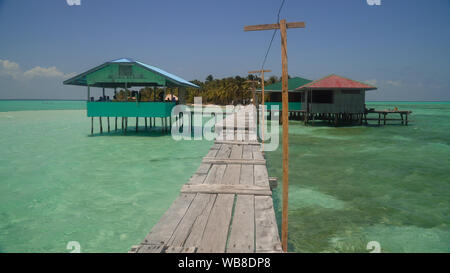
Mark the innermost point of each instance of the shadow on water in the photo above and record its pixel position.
(141, 132)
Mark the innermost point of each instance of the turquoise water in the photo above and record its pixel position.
(27, 105)
(353, 185)
(58, 184)
(348, 185)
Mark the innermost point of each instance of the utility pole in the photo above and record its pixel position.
(262, 100)
(252, 82)
(282, 26)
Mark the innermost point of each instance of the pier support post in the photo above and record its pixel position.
(101, 127)
(115, 129)
(108, 126)
(137, 123)
(92, 125)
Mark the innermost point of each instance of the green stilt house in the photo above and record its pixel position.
(126, 73)
(273, 92)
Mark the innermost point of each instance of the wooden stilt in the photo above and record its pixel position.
(92, 125)
(101, 127)
(137, 124)
(145, 119)
(108, 126)
(384, 119)
(115, 128)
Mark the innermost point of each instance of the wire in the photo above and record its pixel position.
(273, 36)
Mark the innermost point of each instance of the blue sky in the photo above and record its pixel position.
(401, 46)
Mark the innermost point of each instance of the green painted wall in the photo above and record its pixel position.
(129, 109)
(292, 105)
(110, 73)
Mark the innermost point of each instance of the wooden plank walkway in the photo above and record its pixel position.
(227, 205)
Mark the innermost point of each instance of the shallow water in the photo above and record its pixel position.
(348, 185)
(353, 185)
(58, 184)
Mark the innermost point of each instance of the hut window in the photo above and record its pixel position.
(322, 96)
(125, 70)
(294, 97)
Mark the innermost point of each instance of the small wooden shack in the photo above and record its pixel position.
(127, 73)
(334, 98)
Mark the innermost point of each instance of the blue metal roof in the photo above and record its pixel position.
(123, 60)
(81, 78)
(167, 74)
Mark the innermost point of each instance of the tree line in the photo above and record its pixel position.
(225, 91)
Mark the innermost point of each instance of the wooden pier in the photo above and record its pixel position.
(227, 205)
(349, 118)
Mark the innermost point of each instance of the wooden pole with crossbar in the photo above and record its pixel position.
(252, 82)
(282, 26)
(262, 100)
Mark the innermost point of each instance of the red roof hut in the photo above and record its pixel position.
(334, 95)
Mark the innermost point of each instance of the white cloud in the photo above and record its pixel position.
(13, 69)
(9, 68)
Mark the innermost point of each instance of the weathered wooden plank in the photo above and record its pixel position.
(183, 230)
(212, 153)
(209, 160)
(257, 154)
(247, 152)
(226, 189)
(215, 174)
(247, 177)
(237, 142)
(150, 248)
(216, 230)
(134, 249)
(266, 230)
(236, 152)
(261, 176)
(242, 235)
(197, 178)
(203, 168)
(164, 229)
(216, 146)
(198, 227)
(179, 249)
(224, 151)
(274, 26)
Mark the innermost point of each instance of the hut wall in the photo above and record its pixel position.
(344, 101)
